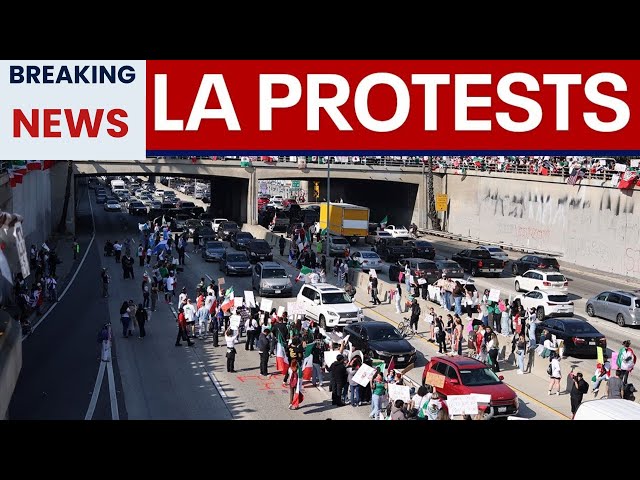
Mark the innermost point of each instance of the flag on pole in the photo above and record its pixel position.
(229, 300)
(14, 178)
(282, 362)
(47, 164)
(307, 362)
(385, 220)
(19, 166)
(392, 364)
(628, 180)
(298, 396)
(303, 271)
(34, 165)
(307, 239)
(575, 176)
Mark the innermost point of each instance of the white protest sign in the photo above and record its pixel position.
(364, 375)
(421, 281)
(399, 392)
(373, 273)
(234, 322)
(221, 281)
(482, 398)
(494, 295)
(330, 357)
(620, 167)
(21, 249)
(292, 309)
(250, 299)
(280, 310)
(635, 163)
(428, 318)
(603, 162)
(265, 305)
(615, 178)
(461, 405)
(238, 301)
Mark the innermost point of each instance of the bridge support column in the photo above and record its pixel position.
(252, 198)
(419, 216)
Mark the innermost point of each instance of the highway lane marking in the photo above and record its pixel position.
(64, 292)
(96, 392)
(115, 415)
(209, 277)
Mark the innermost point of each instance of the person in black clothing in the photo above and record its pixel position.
(339, 376)
(214, 328)
(441, 335)
(127, 266)
(280, 333)
(374, 291)
(415, 315)
(141, 318)
(295, 351)
(264, 344)
(424, 289)
(578, 389)
(282, 243)
(323, 263)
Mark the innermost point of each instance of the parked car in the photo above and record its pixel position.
(580, 337)
(478, 262)
(422, 249)
(397, 232)
(181, 220)
(235, 263)
(616, 305)
(112, 205)
(449, 268)
(137, 208)
(531, 262)
(420, 268)
(259, 251)
(541, 280)
(466, 375)
(205, 231)
(550, 303)
(328, 305)
(381, 341)
(226, 229)
(212, 251)
(239, 240)
(608, 409)
(270, 278)
(496, 252)
(367, 260)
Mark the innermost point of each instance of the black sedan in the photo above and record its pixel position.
(259, 251)
(419, 268)
(534, 262)
(137, 208)
(381, 341)
(450, 269)
(226, 229)
(422, 249)
(239, 240)
(213, 251)
(235, 263)
(579, 337)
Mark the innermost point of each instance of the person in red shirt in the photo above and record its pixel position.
(182, 329)
(200, 302)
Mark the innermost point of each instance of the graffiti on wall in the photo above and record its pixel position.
(632, 261)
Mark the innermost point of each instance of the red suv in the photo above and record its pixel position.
(466, 375)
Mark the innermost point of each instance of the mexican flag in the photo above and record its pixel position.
(307, 363)
(34, 165)
(385, 220)
(14, 178)
(47, 164)
(303, 271)
(228, 302)
(282, 362)
(19, 166)
(298, 396)
(628, 180)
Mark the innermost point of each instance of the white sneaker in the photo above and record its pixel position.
(520, 372)
(558, 393)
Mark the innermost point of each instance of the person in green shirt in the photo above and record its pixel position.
(378, 389)
(164, 273)
(319, 247)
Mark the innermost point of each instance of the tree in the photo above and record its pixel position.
(431, 200)
(62, 226)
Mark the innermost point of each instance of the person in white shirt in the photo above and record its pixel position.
(117, 249)
(556, 374)
(203, 319)
(190, 316)
(182, 298)
(252, 328)
(230, 337)
(170, 284)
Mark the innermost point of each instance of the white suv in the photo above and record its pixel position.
(329, 305)
(541, 280)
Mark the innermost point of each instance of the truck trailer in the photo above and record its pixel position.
(345, 220)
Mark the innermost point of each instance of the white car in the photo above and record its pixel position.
(112, 206)
(495, 252)
(549, 303)
(277, 204)
(541, 280)
(277, 198)
(328, 305)
(215, 223)
(367, 260)
(397, 232)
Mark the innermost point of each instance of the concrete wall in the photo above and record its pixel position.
(32, 200)
(593, 225)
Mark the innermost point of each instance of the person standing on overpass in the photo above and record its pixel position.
(282, 243)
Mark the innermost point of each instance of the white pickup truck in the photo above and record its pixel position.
(397, 232)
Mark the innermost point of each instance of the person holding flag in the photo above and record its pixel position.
(296, 395)
(626, 360)
(282, 360)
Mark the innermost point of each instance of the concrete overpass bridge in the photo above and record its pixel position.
(394, 190)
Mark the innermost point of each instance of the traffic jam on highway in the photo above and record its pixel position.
(480, 290)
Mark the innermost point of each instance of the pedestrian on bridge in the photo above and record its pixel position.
(106, 279)
(117, 250)
(76, 248)
(141, 319)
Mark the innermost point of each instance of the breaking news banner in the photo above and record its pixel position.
(128, 110)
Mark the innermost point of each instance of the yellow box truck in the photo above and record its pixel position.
(346, 220)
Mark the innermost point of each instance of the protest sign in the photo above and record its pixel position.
(280, 311)
(265, 305)
(364, 375)
(434, 379)
(221, 281)
(462, 405)
(494, 295)
(330, 357)
(399, 392)
(250, 299)
(234, 322)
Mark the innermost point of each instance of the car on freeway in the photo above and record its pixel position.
(478, 262)
(226, 229)
(271, 279)
(375, 237)
(392, 249)
(534, 262)
(215, 223)
(465, 375)
(337, 245)
(381, 341)
(101, 198)
(235, 263)
(328, 305)
(112, 205)
(206, 199)
(155, 209)
(419, 267)
(449, 269)
(181, 220)
(397, 232)
(192, 224)
(433, 289)
(541, 280)
(146, 201)
(137, 208)
(205, 231)
(579, 336)
(277, 204)
(239, 240)
(185, 205)
(422, 249)
(289, 201)
(277, 198)
(496, 252)
(616, 305)
(259, 251)
(608, 409)
(212, 250)
(547, 303)
(367, 260)
(262, 200)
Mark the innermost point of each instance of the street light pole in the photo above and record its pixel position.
(326, 238)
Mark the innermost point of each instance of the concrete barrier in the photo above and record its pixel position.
(10, 361)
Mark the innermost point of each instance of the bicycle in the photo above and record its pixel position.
(405, 329)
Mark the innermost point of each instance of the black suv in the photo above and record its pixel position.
(226, 229)
(259, 251)
(391, 249)
(534, 262)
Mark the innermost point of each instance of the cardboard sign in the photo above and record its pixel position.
(250, 299)
(21, 249)
(221, 281)
(434, 379)
(234, 322)
(600, 354)
(330, 357)
(462, 405)
(399, 392)
(364, 375)
(421, 281)
(266, 304)
(280, 310)
(494, 295)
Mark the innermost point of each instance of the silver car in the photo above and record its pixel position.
(618, 306)
(270, 278)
